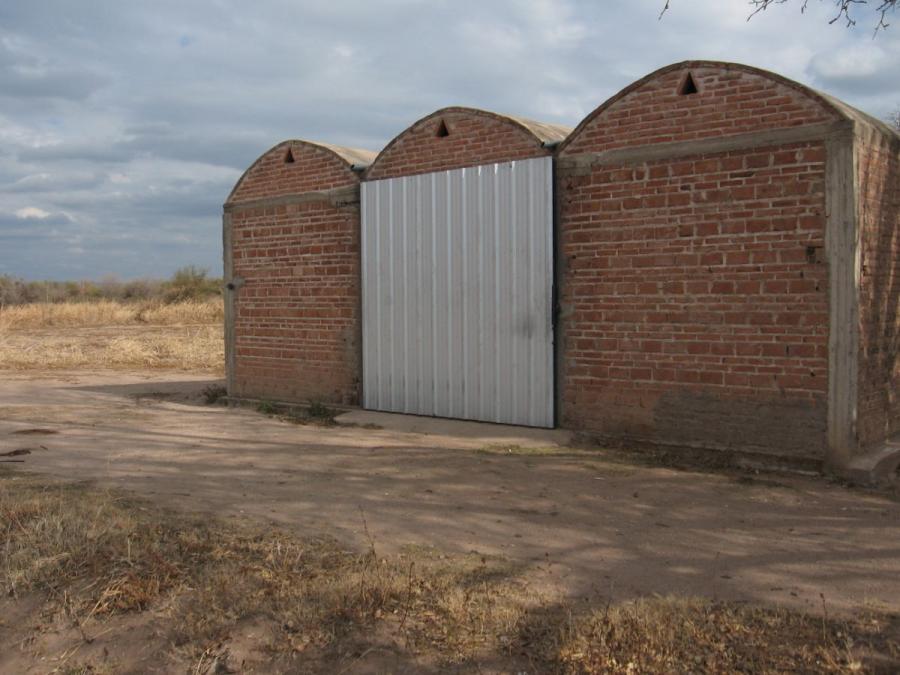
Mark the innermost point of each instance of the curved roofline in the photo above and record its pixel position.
(354, 158)
(542, 132)
(839, 108)
(857, 115)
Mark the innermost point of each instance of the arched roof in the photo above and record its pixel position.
(543, 133)
(353, 158)
(858, 116)
(827, 103)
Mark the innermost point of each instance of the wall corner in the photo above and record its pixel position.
(228, 292)
(842, 245)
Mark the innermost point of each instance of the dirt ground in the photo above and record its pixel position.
(584, 521)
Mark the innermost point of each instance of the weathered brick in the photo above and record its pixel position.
(473, 138)
(296, 320)
(728, 250)
(878, 403)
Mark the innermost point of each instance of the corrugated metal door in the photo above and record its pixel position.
(457, 283)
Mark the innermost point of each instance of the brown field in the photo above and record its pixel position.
(123, 585)
(143, 529)
(113, 335)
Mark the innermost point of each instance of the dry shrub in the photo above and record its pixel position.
(107, 554)
(110, 313)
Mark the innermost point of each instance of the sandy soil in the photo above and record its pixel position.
(583, 521)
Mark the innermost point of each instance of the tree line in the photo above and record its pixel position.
(187, 283)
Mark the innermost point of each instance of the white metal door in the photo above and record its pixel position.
(457, 280)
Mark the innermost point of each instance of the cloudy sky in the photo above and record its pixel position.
(124, 125)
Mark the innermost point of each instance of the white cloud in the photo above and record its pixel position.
(129, 123)
(32, 212)
(856, 60)
(344, 51)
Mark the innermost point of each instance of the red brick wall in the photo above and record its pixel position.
(474, 138)
(730, 101)
(694, 296)
(315, 168)
(879, 307)
(297, 315)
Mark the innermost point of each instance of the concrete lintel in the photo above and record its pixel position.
(707, 146)
(337, 197)
(842, 249)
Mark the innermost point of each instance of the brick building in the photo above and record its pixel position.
(291, 233)
(725, 248)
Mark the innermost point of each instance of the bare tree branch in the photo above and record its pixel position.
(846, 9)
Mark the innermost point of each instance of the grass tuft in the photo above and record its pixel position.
(321, 413)
(267, 408)
(213, 393)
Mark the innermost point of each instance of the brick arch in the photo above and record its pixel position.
(456, 137)
(730, 99)
(315, 167)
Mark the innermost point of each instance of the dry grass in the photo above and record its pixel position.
(99, 556)
(106, 334)
(189, 348)
(675, 635)
(110, 313)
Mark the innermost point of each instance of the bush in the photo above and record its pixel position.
(188, 283)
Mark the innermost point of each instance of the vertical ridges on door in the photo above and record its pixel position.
(457, 285)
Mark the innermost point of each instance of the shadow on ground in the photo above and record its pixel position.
(583, 522)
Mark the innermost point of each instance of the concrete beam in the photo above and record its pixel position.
(707, 146)
(230, 293)
(842, 248)
(337, 197)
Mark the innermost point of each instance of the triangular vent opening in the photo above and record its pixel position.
(289, 157)
(688, 87)
(442, 130)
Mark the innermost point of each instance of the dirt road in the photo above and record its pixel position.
(581, 520)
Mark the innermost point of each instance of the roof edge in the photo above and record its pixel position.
(354, 158)
(859, 117)
(543, 133)
(838, 108)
